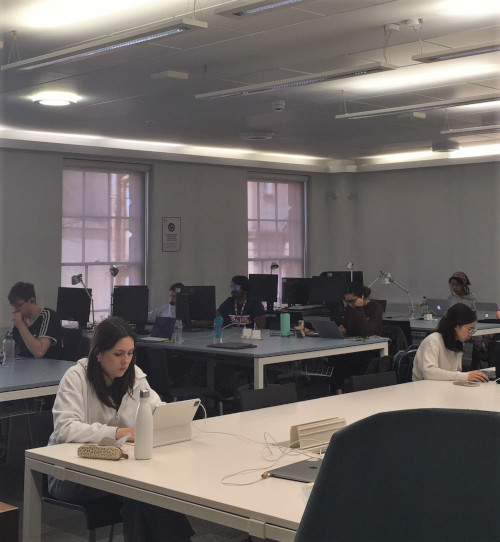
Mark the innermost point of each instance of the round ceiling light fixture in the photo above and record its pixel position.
(256, 136)
(57, 99)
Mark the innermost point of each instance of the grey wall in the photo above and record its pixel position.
(419, 224)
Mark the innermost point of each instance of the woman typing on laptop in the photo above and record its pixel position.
(97, 398)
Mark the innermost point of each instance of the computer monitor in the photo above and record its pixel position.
(264, 288)
(195, 303)
(73, 304)
(131, 303)
(357, 276)
(295, 290)
(326, 289)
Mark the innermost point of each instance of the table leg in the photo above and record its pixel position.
(32, 509)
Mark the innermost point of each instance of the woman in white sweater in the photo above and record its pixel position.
(439, 356)
(98, 398)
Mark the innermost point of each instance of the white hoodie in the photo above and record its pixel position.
(79, 416)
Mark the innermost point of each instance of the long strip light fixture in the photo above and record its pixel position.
(311, 79)
(105, 45)
(444, 104)
(243, 8)
(491, 128)
(459, 52)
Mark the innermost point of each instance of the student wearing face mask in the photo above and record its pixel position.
(242, 309)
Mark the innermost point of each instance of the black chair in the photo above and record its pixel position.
(405, 475)
(154, 362)
(100, 512)
(399, 333)
(374, 380)
(273, 395)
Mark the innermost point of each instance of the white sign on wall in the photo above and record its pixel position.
(171, 234)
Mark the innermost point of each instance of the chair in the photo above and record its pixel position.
(101, 512)
(374, 380)
(405, 475)
(155, 363)
(280, 394)
(382, 302)
(399, 333)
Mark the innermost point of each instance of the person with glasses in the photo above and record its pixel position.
(37, 330)
(241, 309)
(439, 356)
(363, 318)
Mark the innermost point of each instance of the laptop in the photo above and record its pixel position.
(485, 311)
(163, 328)
(303, 471)
(172, 421)
(437, 307)
(326, 329)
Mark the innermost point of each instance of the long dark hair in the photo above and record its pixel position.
(104, 338)
(457, 315)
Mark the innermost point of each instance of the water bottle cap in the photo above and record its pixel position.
(144, 394)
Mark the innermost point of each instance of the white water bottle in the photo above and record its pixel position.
(9, 347)
(178, 332)
(144, 428)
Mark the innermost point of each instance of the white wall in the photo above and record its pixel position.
(419, 224)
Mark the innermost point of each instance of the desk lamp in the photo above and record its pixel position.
(350, 266)
(113, 271)
(274, 265)
(386, 278)
(75, 279)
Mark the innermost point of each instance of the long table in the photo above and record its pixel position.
(189, 477)
(271, 349)
(31, 377)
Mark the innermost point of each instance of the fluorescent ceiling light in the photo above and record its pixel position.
(55, 98)
(419, 107)
(106, 45)
(373, 67)
(472, 129)
(243, 8)
(458, 52)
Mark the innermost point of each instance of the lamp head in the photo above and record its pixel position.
(274, 265)
(75, 279)
(350, 266)
(113, 270)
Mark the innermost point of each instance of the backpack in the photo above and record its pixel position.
(403, 364)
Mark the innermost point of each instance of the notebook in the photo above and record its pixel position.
(437, 307)
(302, 471)
(172, 421)
(232, 345)
(327, 329)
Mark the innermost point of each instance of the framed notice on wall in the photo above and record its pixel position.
(171, 234)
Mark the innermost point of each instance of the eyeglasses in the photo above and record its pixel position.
(351, 301)
(470, 330)
(18, 304)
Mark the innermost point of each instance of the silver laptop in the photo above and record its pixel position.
(485, 311)
(172, 421)
(302, 471)
(326, 329)
(437, 307)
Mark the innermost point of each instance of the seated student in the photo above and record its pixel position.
(37, 331)
(98, 398)
(167, 310)
(242, 309)
(439, 356)
(459, 284)
(363, 317)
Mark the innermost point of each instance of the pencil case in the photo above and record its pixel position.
(98, 451)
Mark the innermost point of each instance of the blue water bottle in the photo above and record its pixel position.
(218, 321)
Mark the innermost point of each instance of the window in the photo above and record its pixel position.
(103, 224)
(276, 225)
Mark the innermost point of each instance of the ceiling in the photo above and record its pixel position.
(120, 98)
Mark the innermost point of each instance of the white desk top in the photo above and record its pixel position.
(430, 325)
(192, 472)
(31, 377)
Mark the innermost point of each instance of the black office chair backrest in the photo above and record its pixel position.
(374, 380)
(269, 396)
(406, 475)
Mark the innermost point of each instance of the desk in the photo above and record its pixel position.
(273, 349)
(31, 377)
(186, 477)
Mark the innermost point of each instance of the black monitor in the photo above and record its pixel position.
(295, 290)
(195, 303)
(324, 289)
(131, 303)
(345, 276)
(264, 288)
(73, 304)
